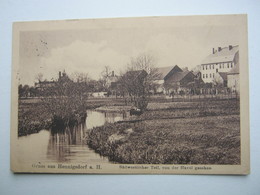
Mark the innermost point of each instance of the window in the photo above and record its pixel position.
(213, 66)
(210, 75)
(213, 75)
(216, 70)
(231, 64)
(203, 76)
(219, 65)
(206, 75)
(228, 65)
(206, 67)
(210, 66)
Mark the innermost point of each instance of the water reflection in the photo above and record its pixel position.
(59, 143)
(69, 146)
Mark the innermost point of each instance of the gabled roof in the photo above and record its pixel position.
(223, 75)
(225, 55)
(175, 69)
(178, 76)
(163, 71)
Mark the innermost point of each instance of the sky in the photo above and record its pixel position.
(90, 50)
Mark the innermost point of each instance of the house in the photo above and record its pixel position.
(233, 79)
(109, 80)
(159, 81)
(221, 60)
(43, 85)
(178, 81)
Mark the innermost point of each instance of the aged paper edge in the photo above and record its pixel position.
(242, 169)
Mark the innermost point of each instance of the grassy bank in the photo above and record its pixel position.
(204, 133)
(33, 116)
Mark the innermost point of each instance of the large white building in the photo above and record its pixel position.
(222, 60)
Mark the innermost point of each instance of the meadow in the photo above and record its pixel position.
(205, 132)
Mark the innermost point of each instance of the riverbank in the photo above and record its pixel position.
(174, 133)
(33, 117)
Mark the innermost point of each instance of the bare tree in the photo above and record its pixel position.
(39, 77)
(139, 79)
(80, 77)
(105, 74)
(144, 61)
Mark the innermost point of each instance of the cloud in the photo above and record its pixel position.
(80, 56)
(171, 50)
(91, 58)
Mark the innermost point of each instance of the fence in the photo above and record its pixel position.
(194, 98)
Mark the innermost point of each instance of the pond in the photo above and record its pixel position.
(69, 147)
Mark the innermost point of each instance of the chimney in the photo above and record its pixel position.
(219, 49)
(230, 47)
(113, 73)
(213, 50)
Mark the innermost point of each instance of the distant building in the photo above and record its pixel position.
(233, 79)
(159, 81)
(43, 85)
(220, 61)
(63, 77)
(110, 80)
(177, 80)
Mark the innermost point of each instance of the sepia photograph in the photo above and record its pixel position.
(148, 95)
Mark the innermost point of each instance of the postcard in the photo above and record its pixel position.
(148, 95)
